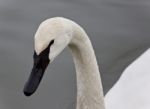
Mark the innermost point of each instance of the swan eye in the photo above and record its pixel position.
(52, 42)
(45, 51)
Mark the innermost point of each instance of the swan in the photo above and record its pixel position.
(132, 89)
(52, 36)
(55, 34)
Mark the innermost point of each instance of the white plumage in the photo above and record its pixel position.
(130, 92)
(132, 89)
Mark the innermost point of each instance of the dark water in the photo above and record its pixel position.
(119, 30)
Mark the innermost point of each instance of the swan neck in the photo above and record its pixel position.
(89, 86)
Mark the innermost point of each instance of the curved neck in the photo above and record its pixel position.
(89, 87)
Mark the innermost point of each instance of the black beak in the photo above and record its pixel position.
(40, 64)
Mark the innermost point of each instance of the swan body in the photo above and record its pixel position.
(52, 36)
(132, 89)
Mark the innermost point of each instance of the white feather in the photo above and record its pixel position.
(132, 89)
(130, 92)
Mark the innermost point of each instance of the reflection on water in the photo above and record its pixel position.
(119, 30)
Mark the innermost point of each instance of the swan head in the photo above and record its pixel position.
(52, 36)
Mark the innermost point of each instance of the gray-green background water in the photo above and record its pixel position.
(118, 29)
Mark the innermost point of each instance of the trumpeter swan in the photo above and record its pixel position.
(52, 36)
(132, 89)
